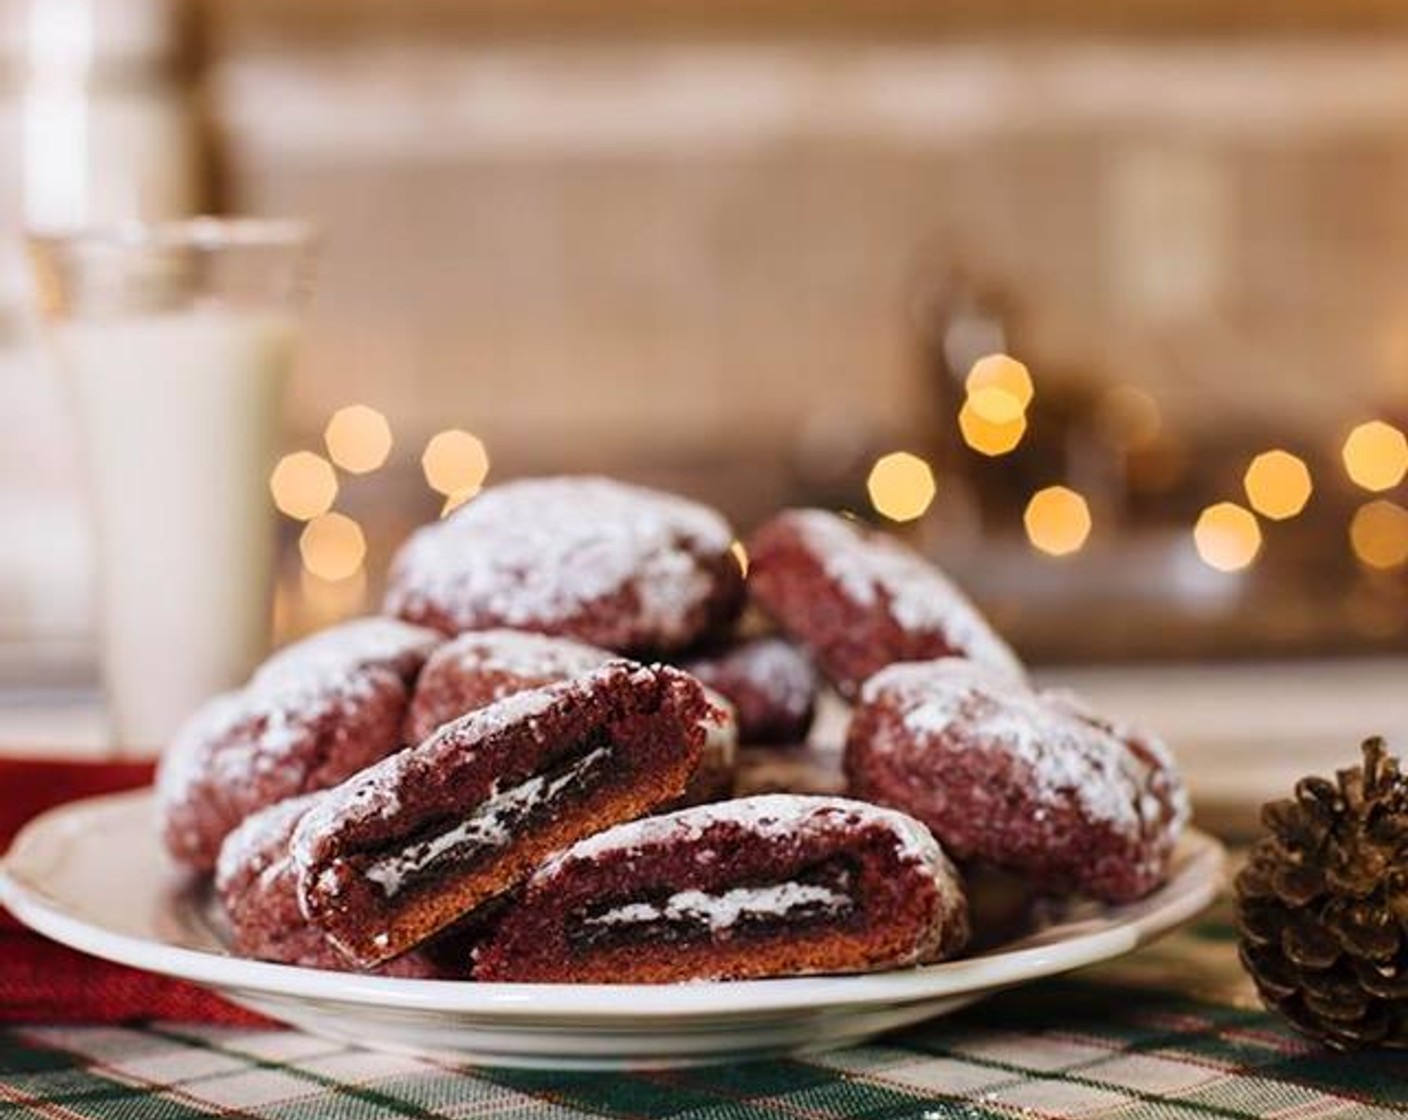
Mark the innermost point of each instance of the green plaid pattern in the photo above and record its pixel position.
(1171, 1033)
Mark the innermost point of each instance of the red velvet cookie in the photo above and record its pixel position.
(770, 683)
(421, 839)
(477, 668)
(302, 730)
(256, 885)
(1028, 781)
(481, 667)
(859, 600)
(765, 886)
(386, 643)
(618, 566)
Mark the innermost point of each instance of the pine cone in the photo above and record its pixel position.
(1322, 906)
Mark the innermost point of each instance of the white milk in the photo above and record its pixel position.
(179, 417)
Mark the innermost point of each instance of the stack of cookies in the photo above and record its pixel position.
(524, 770)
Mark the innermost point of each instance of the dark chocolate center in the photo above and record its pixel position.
(492, 825)
(821, 894)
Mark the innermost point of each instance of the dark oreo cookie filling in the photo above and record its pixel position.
(463, 842)
(434, 832)
(822, 894)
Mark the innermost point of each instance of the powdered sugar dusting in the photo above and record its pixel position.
(723, 911)
(489, 825)
(769, 816)
(183, 761)
(538, 552)
(777, 819)
(289, 703)
(773, 665)
(874, 569)
(1064, 752)
(523, 655)
(501, 714)
(375, 792)
(386, 642)
(259, 846)
(252, 730)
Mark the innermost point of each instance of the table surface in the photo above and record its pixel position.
(1172, 1032)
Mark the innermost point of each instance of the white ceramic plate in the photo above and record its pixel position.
(91, 875)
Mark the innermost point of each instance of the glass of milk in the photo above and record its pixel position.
(175, 341)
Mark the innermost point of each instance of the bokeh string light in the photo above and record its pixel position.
(358, 438)
(1278, 484)
(998, 371)
(1378, 534)
(1227, 537)
(901, 486)
(995, 405)
(993, 418)
(1375, 455)
(989, 438)
(333, 547)
(303, 485)
(455, 464)
(1057, 520)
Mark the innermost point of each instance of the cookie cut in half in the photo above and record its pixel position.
(414, 843)
(258, 888)
(780, 885)
(484, 666)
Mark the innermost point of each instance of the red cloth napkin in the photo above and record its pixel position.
(43, 982)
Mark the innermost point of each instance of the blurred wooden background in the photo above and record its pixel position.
(700, 245)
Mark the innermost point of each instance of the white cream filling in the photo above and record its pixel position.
(720, 911)
(489, 825)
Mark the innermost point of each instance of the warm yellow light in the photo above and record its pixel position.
(303, 485)
(987, 437)
(358, 438)
(455, 462)
(1057, 520)
(457, 499)
(741, 555)
(901, 486)
(1376, 455)
(1379, 534)
(998, 371)
(1227, 537)
(996, 406)
(332, 546)
(1277, 484)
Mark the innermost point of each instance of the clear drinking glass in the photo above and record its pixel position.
(175, 341)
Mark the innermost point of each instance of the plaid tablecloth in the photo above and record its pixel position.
(1171, 1032)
